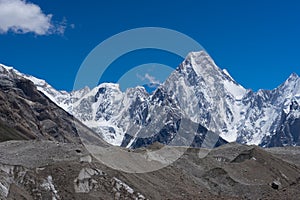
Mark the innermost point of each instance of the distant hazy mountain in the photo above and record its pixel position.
(198, 98)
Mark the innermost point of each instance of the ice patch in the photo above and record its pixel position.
(236, 90)
(119, 184)
(49, 186)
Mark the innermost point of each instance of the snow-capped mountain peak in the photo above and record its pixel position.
(293, 76)
(293, 83)
(5, 67)
(199, 91)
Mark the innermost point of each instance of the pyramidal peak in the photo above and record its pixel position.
(201, 63)
(295, 87)
(293, 77)
(210, 74)
(197, 54)
(292, 83)
(204, 65)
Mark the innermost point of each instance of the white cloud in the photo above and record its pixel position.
(20, 16)
(152, 81)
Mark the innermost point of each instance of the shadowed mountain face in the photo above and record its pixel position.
(26, 113)
(288, 133)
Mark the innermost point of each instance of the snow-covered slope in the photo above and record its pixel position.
(105, 109)
(63, 99)
(197, 91)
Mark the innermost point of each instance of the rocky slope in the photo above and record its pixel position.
(26, 113)
(52, 170)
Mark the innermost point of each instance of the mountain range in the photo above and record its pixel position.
(198, 100)
(55, 144)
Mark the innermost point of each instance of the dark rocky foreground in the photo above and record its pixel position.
(52, 170)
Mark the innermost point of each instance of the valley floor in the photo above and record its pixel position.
(51, 170)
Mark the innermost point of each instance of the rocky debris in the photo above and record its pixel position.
(244, 155)
(49, 186)
(282, 152)
(276, 185)
(84, 183)
(47, 170)
(52, 170)
(121, 187)
(87, 158)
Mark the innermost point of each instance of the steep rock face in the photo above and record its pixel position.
(288, 133)
(26, 113)
(285, 128)
(29, 112)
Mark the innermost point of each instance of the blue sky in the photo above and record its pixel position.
(256, 41)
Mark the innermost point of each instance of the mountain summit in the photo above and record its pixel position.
(197, 98)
